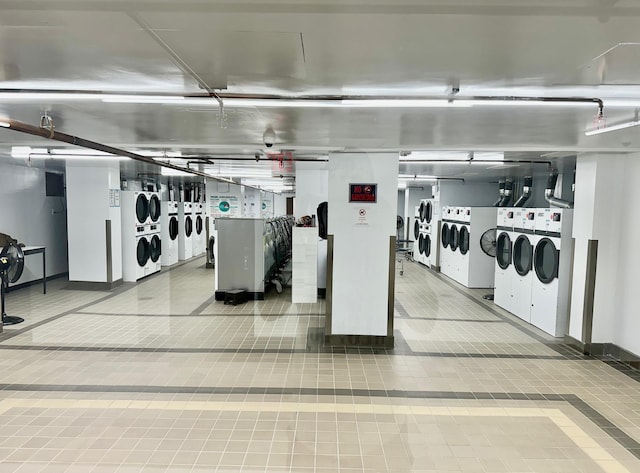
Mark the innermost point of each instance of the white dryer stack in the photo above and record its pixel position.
(170, 228)
(185, 230)
(154, 232)
(447, 256)
(522, 268)
(135, 235)
(424, 239)
(431, 244)
(198, 237)
(551, 262)
(503, 268)
(470, 266)
(416, 235)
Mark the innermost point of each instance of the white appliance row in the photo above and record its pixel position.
(425, 232)
(147, 223)
(533, 252)
(461, 256)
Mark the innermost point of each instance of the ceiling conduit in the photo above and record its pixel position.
(550, 191)
(526, 192)
(501, 184)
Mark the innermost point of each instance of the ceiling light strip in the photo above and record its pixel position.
(607, 129)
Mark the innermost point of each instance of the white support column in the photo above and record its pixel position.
(362, 279)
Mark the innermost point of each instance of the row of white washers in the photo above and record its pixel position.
(156, 234)
(532, 268)
(425, 233)
(461, 256)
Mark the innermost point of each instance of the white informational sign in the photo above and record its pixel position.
(267, 208)
(361, 216)
(114, 197)
(224, 206)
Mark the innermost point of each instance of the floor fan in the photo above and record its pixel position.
(488, 242)
(11, 267)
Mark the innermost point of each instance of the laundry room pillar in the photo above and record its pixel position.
(94, 223)
(363, 193)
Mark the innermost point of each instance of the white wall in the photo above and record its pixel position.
(279, 205)
(312, 188)
(27, 215)
(605, 191)
(252, 202)
(88, 186)
(361, 252)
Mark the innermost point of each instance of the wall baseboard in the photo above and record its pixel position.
(614, 351)
(322, 293)
(93, 286)
(359, 341)
(576, 344)
(36, 282)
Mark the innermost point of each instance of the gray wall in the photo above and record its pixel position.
(27, 215)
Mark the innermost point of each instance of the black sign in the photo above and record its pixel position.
(363, 193)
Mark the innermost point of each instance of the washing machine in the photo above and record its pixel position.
(432, 250)
(185, 230)
(198, 237)
(154, 235)
(135, 253)
(155, 208)
(169, 233)
(134, 208)
(505, 237)
(424, 243)
(522, 268)
(416, 234)
(447, 255)
(551, 264)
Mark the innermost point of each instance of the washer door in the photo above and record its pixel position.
(198, 224)
(545, 261)
(422, 212)
(154, 208)
(464, 240)
(445, 235)
(503, 250)
(454, 238)
(155, 248)
(522, 255)
(428, 212)
(416, 229)
(188, 226)
(421, 244)
(173, 228)
(142, 252)
(427, 245)
(142, 208)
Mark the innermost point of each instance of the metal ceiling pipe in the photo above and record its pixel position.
(550, 191)
(508, 193)
(526, 192)
(501, 184)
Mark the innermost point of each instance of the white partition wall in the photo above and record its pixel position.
(360, 289)
(304, 258)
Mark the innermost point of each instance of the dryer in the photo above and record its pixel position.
(154, 236)
(551, 264)
(432, 246)
(522, 268)
(155, 208)
(416, 235)
(134, 207)
(447, 255)
(505, 237)
(169, 233)
(198, 238)
(185, 230)
(135, 253)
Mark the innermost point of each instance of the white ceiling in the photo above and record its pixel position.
(559, 48)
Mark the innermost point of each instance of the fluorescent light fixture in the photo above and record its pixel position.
(46, 96)
(407, 103)
(78, 157)
(607, 129)
(417, 177)
(26, 152)
(157, 99)
(77, 152)
(479, 102)
(4, 123)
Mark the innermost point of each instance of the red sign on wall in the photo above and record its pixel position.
(363, 193)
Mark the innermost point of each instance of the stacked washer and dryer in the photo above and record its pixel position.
(535, 285)
(462, 258)
(198, 238)
(141, 234)
(185, 230)
(170, 231)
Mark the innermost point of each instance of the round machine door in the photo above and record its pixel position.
(427, 245)
(522, 255)
(454, 238)
(154, 208)
(173, 228)
(142, 208)
(428, 210)
(142, 252)
(445, 235)
(464, 240)
(545, 261)
(188, 226)
(416, 229)
(421, 244)
(198, 224)
(421, 211)
(155, 248)
(503, 250)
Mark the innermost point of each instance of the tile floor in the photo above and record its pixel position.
(158, 377)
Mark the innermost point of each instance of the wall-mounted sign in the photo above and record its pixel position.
(361, 217)
(363, 193)
(114, 197)
(224, 206)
